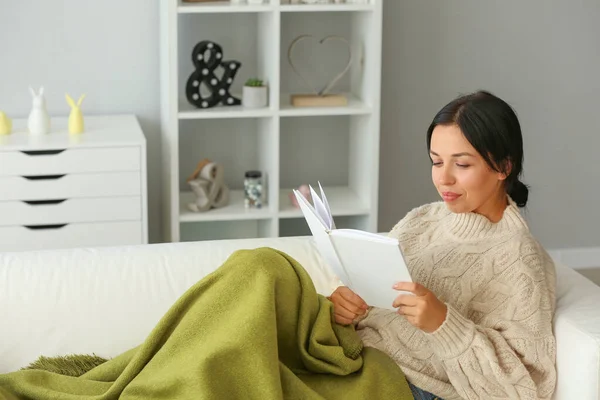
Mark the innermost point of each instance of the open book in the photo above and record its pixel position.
(368, 263)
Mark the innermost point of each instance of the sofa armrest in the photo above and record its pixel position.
(577, 330)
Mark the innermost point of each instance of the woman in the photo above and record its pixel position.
(479, 322)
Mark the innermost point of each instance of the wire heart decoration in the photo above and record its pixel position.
(335, 79)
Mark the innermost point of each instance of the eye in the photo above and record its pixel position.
(436, 163)
(463, 165)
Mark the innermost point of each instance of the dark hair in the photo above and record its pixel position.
(493, 129)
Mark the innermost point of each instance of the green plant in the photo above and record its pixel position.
(255, 82)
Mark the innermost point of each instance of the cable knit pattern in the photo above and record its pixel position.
(499, 285)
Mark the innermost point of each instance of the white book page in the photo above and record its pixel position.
(320, 209)
(373, 267)
(364, 235)
(327, 209)
(322, 239)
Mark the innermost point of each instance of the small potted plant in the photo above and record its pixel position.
(255, 93)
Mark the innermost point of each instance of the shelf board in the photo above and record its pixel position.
(228, 7)
(355, 107)
(325, 7)
(235, 210)
(343, 201)
(221, 7)
(187, 111)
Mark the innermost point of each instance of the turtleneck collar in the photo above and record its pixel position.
(472, 226)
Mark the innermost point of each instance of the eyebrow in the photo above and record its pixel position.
(454, 155)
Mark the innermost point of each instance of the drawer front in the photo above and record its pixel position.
(70, 210)
(18, 238)
(70, 186)
(70, 161)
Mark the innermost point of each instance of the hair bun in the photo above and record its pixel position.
(519, 192)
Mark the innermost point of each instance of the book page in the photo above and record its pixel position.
(373, 267)
(364, 235)
(320, 209)
(327, 209)
(322, 239)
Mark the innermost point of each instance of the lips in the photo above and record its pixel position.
(450, 196)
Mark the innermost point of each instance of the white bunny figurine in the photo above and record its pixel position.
(39, 120)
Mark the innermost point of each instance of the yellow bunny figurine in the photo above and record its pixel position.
(5, 124)
(76, 117)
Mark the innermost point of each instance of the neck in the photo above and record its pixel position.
(493, 208)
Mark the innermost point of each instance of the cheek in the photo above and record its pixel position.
(477, 183)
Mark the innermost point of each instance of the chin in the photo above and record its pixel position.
(458, 207)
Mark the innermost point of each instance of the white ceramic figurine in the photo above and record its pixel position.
(39, 120)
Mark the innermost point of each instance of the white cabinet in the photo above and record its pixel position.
(61, 190)
(336, 145)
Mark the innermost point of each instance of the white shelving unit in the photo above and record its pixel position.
(338, 146)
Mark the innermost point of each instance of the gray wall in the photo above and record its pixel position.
(542, 57)
(107, 49)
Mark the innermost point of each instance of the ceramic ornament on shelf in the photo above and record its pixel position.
(207, 183)
(207, 56)
(38, 122)
(321, 97)
(76, 124)
(5, 124)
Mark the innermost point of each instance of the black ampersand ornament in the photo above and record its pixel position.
(207, 56)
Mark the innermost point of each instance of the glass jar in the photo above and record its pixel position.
(253, 189)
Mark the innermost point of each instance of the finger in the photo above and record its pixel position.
(339, 310)
(348, 305)
(353, 298)
(407, 311)
(413, 287)
(406, 300)
(342, 320)
(348, 310)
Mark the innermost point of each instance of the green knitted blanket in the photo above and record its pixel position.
(253, 329)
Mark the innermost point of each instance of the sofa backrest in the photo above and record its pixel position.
(106, 300)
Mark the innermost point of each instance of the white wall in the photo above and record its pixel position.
(107, 49)
(542, 57)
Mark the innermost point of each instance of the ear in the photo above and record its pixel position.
(32, 92)
(70, 100)
(41, 90)
(80, 100)
(502, 175)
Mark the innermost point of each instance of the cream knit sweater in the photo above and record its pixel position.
(499, 285)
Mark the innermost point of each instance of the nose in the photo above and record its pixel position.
(445, 176)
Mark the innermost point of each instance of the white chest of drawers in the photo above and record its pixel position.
(62, 191)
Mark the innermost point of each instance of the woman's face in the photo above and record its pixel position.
(462, 177)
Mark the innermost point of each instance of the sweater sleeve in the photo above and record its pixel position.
(511, 354)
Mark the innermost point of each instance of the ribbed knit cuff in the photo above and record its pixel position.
(454, 336)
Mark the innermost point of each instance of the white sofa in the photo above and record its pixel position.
(106, 300)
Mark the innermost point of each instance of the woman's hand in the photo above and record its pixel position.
(422, 309)
(347, 305)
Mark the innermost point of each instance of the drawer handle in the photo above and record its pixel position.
(42, 177)
(42, 152)
(41, 227)
(43, 202)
